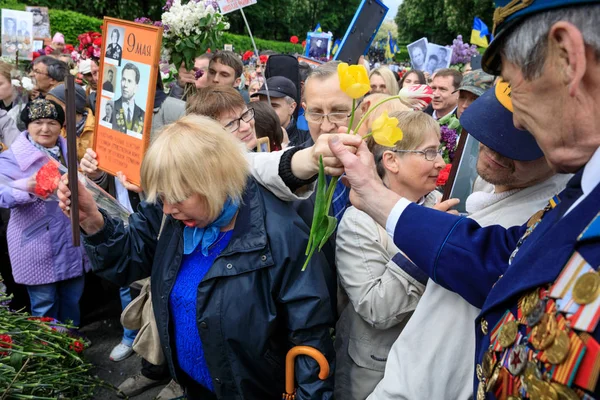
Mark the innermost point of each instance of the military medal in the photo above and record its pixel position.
(488, 363)
(481, 391)
(517, 360)
(530, 302)
(537, 217)
(587, 288)
(564, 392)
(557, 353)
(536, 314)
(543, 333)
(508, 333)
(540, 390)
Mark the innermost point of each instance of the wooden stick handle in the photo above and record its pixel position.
(289, 365)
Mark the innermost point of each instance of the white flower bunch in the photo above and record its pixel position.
(183, 20)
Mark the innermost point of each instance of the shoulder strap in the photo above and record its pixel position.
(162, 225)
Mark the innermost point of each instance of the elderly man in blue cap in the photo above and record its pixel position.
(537, 285)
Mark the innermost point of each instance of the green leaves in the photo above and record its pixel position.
(323, 225)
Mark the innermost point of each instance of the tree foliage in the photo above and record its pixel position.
(440, 21)
(389, 25)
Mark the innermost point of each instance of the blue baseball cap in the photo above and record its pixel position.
(509, 14)
(489, 119)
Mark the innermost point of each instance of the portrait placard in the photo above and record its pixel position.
(438, 57)
(418, 53)
(318, 45)
(128, 72)
(17, 34)
(41, 21)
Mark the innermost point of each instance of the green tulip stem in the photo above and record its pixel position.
(370, 110)
(352, 116)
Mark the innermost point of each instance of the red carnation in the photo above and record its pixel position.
(443, 175)
(304, 43)
(77, 346)
(294, 39)
(263, 59)
(247, 55)
(5, 343)
(69, 48)
(98, 42)
(46, 180)
(35, 55)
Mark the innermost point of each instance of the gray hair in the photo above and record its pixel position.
(289, 100)
(323, 71)
(57, 69)
(527, 45)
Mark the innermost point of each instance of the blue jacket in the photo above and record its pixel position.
(470, 260)
(254, 304)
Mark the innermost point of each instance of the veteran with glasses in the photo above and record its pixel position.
(226, 105)
(48, 72)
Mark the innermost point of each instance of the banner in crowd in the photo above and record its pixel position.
(126, 90)
(228, 6)
(41, 21)
(17, 34)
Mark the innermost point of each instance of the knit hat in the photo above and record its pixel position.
(42, 108)
(59, 92)
(58, 38)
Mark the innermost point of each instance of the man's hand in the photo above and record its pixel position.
(186, 76)
(90, 219)
(129, 186)
(446, 206)
(305, 163)
(368, 192)
(89, 165)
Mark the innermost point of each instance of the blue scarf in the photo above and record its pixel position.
(208, 235)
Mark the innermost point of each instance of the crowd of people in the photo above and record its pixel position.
(408, 299)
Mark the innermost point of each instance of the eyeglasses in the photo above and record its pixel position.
(333, 118)
(430, 154)
(234, 125)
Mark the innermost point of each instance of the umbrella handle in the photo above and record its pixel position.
(289, 365)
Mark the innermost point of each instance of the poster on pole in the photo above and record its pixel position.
(41, 21)
(128, 73)
(17, 34)
(228, 6)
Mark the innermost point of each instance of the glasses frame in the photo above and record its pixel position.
(246, 116)
(422, 152)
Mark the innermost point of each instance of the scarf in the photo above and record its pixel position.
(207, 236)
(53, 151)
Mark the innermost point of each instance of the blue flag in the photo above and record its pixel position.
(479, 33)
(336, 47)
(318, 28)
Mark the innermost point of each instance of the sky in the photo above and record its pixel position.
(393, 5)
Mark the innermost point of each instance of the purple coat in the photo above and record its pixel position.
(39, 234)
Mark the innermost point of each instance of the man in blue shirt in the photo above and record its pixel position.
(538, 284)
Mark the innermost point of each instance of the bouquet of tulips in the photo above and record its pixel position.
(354, 81)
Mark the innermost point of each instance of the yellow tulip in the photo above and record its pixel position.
(385, 131)
(354, 80)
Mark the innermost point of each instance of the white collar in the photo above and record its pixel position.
(434, 114)
(591, 173)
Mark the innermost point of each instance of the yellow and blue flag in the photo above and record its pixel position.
(336, 47)
(388, 47)
(479, 33)
(318, 28)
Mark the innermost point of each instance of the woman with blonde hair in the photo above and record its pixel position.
(383, 81)
(369, 102)
(225, 263)
(380, 286)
